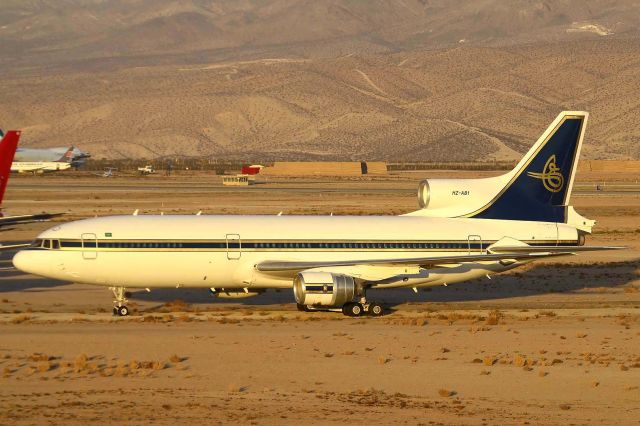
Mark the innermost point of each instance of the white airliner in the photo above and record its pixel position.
(466, 229)
(44, 160)
(39, 166)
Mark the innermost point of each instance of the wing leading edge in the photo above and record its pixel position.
(525, 253)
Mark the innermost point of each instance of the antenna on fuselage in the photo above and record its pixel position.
(135, 212)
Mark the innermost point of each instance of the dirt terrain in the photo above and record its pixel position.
(553, 343)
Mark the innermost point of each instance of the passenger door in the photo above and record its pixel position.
(234, 246)
(89, 246)
(475, 244)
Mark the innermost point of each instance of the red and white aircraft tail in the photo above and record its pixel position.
(68, 155)
(8, 146)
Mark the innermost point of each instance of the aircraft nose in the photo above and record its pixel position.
(22, 261)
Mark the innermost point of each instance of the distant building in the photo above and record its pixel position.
(326, 168)
(238, 180)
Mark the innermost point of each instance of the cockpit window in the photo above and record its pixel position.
(47, 244)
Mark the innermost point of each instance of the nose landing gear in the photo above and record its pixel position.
(119, 308)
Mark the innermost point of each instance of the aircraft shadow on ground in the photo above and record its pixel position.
(14, 281)
(538, 280)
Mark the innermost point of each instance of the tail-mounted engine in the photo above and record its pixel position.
(456, 197)
(323, 289)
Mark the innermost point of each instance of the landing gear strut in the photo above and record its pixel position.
(119, 307)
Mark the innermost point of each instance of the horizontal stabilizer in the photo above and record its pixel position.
(511, 245)
(550, 249)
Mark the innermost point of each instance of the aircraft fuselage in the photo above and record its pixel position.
(222, 251)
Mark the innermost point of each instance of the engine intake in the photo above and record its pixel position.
(424, 194)
(323, 289)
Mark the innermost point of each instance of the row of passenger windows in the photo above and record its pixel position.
(292, 245)
(301, 245)
(145, 245)
(91, 244)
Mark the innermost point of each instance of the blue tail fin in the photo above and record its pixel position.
(540, 185)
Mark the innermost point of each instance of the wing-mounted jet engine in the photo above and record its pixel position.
(537, 189)
(318, 290)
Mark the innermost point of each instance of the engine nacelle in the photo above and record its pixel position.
(323, 289)
(456, 197)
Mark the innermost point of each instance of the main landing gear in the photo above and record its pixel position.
(356, 309)
(119, 307)
(351, 309)
(362, 307)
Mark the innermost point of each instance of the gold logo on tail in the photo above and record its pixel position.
(551, 176)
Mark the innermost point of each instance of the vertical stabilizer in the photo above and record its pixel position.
(67, 157)
(8, 146)
(539, 187)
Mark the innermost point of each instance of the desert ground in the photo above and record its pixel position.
(552, 343)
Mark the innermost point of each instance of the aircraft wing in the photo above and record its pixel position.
(27, 218)
(425, 262)
(281, 266)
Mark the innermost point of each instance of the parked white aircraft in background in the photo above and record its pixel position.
(63, 163)
(8, 145)
(47, 159)
(467, 228)
(39, 166)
